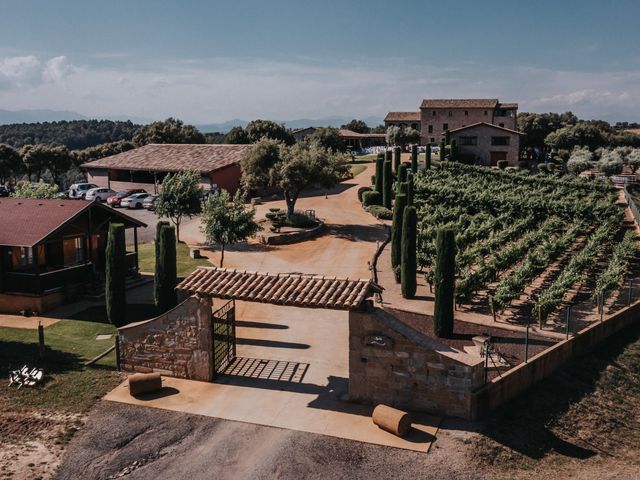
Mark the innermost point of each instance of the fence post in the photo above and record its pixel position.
(493, 310)
(568, 321)
(41, 346)
(526, 344)
(630, 290)
(602, 306)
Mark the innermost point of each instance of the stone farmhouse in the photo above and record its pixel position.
(146, 167)
(484, 128)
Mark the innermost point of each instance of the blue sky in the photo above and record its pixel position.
(207, 61)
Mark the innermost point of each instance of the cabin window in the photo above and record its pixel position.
(469, 141)
(500, 141)
(26, 256)
(74, 251)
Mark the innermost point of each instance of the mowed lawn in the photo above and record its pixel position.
(185, 264)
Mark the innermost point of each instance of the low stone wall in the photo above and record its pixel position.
(391, 363)
(177, 344)
(517, 380)
(292, 237)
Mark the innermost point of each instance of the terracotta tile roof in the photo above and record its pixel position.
(28, 221)
(486, 125)
(402, 117)
(202, 158)
(508, 105)
(296, 290)
(460, 103)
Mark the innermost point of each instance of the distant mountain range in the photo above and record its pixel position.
(34, 116)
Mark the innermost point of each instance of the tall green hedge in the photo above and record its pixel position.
(379, 173)
(427, 157)
(396, 229)
(115, 294)
(166, 273)
(387, 185)
(387, 155)
(447, 137)
(396, 159)
(442, 151)
(402, 173)
(410, 189)
(454, 150)
(444, 280)
(159, 226)
(414, 158)
(408, 264)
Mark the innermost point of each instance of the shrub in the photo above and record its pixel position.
(444, 280)
(408, 253)
(362, 190)
(373, 181)
(380, 212)
(300, 219)
(502, 164)
(371, 198)
(387, 185)
(542, 168)
(115, 295)
(523, 165)
(551, 167)
(396, 229)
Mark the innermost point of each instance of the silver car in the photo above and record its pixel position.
(79, 190)
(134, 201)
(99, 194)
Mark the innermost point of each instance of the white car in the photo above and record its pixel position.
(134, 201)
(79, 190)
(99, 194)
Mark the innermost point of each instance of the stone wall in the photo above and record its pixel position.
(520, 378)
(177, 343)
(391, 363)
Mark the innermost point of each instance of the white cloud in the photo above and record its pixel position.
(216, 89)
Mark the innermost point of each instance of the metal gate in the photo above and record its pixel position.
(223, 325)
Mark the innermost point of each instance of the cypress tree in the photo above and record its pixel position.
(159, 226)
(166, 278)
(387, 154)
(442, 151)
(444, 280)
(115, 295)
(379, 173)
(454, 150)
(408, 253)
(427, 157)
(396, 160)
(396, 229)
(402, 173)
(447, 137)
(387, 185)
(410, 189)
(414, 158)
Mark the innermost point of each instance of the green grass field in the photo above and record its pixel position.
(186, 264)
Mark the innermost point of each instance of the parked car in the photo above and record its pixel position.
(79, 190)
(99, 194)
(115, 200)
(4, 191)
(150, 202)
(134, 201)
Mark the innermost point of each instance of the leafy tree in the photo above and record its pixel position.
(537, 126)
(55, 158)
(402, 136)
(610, 163)
(329, 138)
(171, 130)
(410, 136)
(408, 253)
(179, 197)
(292, 169)
(394, 135)
(38, 190)
(10, 162)
(258, 129)
(166, 270)
(580, 160)
(379, 129)
(75, 134)
(226, 221)
(634, 159)
(237, 136)
(357, 126)
(396, 229)
(387, 185)
(115, 294)
(444, 280)
(582, 134)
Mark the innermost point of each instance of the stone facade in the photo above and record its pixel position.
(178, 343)
(391, 363)
(484, 144)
